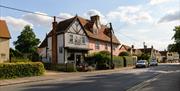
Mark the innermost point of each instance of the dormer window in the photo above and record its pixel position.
(97, 45)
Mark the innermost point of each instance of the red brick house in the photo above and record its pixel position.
(71, 39)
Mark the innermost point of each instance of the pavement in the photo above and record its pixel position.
(51, 75)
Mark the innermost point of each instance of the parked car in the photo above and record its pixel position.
(153, 63)
(142, 63)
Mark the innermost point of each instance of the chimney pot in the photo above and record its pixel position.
(132, 46)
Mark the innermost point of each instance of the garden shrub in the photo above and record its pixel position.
(102, 61)
(21, 69)
(20, 59)
(118, 61)
(124, 54)
(129, 60)
(69, 67)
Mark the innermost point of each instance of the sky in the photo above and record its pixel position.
(133, 21)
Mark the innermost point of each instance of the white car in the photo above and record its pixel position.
(142, 63)
(153, 63)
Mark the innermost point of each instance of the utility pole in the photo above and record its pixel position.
(111, 34)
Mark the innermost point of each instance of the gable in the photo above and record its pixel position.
(4, 32)
(76, 28)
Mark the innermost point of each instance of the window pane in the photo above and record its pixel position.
(70, 38)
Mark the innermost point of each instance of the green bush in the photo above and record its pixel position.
(102, 61)
(105, 52)
(144, 57)
(21, 69)
(70, 67)
(15, 60)
(124, 54)
(129, 60)
(118, 61)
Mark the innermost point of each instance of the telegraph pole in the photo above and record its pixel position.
(111, 31)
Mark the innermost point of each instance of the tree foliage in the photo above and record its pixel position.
(27, 42)
(124, 54)
(176, 46)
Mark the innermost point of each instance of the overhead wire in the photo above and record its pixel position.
(27, 11)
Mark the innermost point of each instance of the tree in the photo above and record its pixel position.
(27, 42)
(124, 54)
(176, 46)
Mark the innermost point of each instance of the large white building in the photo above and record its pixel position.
(70, 40)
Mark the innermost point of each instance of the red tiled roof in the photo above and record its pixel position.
(125, 46)
(4, 32)
(87, 25)
(43, 43)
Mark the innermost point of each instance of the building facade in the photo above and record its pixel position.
(4, 41)
(154, 54)
(172, 56)
(70, 40)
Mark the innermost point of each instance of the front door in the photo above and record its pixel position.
(78, 60)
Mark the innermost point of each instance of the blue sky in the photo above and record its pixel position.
(134, 21)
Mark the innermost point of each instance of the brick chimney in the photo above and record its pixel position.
(96, 20)
(54, 41)
(132, 46)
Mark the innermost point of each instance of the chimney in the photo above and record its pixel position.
(132, 46)
(152, 47)
(54, 41)
(96, 20)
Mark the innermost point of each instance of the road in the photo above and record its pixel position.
(142, 79)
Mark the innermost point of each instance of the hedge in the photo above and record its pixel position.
(129, 60)
(69, 67)
(118, 61)
(21, 69)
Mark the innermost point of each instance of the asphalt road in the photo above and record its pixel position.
(141, 79)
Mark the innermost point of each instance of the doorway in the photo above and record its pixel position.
(78, 60)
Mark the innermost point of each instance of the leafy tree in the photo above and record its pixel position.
(176, 46)
(172, 47)
(144, 56)
(27, 42)
(124, 54)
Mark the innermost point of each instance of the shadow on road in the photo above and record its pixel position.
(107, 82)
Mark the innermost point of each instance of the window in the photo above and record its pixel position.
(169, 54)
(97, 45)
(60, 49)
(106, 46)
(71, 39)
(83, 40)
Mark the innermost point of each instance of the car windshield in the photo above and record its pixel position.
(141, 61)
(153, 61)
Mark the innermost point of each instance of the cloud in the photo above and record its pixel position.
(173, 16)
(130, 14)
(157, 35)
(17, 23)
(93, 12)
(155, 2)
(38, 20)
(64, 16)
